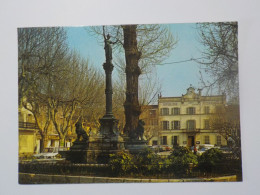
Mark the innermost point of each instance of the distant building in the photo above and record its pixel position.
(185, 120)
(30, 137)
(28, 133)
(150, 117)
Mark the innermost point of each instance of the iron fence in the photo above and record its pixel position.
(138, 171)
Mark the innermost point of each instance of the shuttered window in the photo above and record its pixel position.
(191, 125)
(164, 111)
(165, 125)
(191, 110)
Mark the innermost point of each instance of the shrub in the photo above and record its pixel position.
(148, 163)
(210, 159)
(121, 163)
(180, 160)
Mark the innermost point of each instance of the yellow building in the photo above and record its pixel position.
(28, 136)
(185, 120)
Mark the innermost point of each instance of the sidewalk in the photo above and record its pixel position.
(27, 178)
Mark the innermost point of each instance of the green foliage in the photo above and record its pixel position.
(180, 151)
(180, 161)
(146, 156)
(210, 159)
(148, 162)
(121, 163)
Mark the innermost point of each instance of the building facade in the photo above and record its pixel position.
(28, 133)
(150, 117)
(30, 137)
(185, 120)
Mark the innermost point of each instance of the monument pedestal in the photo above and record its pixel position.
(78, 152)
(107, 141)
(135, 146)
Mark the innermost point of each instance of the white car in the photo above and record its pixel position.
(204, 147)
(48, 153)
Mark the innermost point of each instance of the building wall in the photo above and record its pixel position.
(26, 142)
(27, 132)
(29, 137)
(186, 135)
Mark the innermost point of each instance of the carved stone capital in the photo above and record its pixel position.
(108, 67)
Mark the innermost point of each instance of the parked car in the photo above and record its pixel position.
(204, 147)
(48, 153)
(156, 148)
(201, 151)
(225, 149)
(166, 148)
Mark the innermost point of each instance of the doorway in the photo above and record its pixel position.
(191, 141)
(164, 141)
(175, 141)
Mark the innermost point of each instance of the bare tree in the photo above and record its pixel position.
(55, 84)
(39, 52)
(220, 57)
(77, 91)
(226, 122)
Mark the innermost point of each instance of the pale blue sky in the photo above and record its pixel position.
(175, 78)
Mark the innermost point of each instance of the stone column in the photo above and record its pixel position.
(108, 67)
(108, 121)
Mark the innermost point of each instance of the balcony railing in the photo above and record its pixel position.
(191, 130)
(27, 125)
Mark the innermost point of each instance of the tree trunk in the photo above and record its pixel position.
(43, 142)
(132, 56)
(62, 141)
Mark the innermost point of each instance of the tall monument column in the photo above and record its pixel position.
(108, 122)
(97, 147)
(108, 67)
(108, 139)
